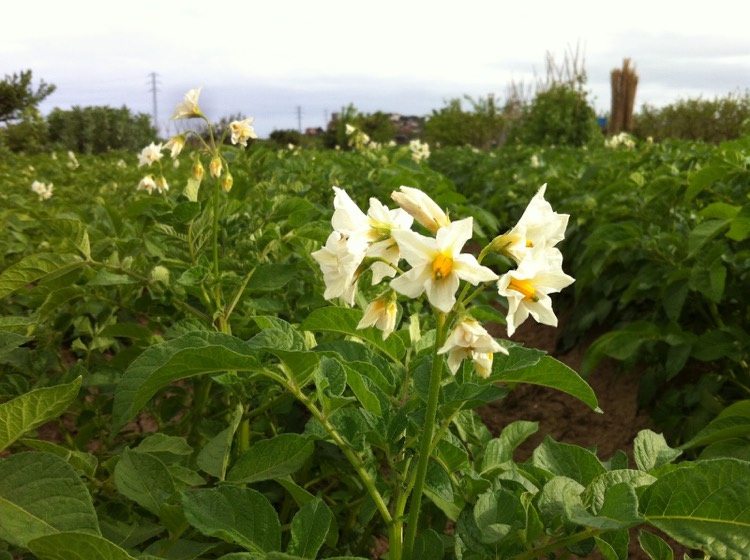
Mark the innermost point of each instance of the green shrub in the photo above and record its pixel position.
(711, 120)
(27, 135)
(481, 127)
(560, 115)
(99, 129)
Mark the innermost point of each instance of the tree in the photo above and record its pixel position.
(17, 95)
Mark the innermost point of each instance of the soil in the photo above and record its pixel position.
(567, 419)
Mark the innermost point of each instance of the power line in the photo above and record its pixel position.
(154, 90)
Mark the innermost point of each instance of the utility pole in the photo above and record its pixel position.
(154, 90)
(299, 118)
(325, 118)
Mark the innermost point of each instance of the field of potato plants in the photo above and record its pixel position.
(215, 349)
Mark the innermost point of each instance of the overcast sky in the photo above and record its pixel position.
(264, 59)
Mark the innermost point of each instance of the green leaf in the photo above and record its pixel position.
(518, 357)
(703, 233)
(552, 373)
(214, 457)
(734, 421)
(650, 451)
(192, 354)
(567, 460)
(146, 480)
(41, 494)
(34, 268)
(75, 232)
(271, 277)
(83, 462)
(309, 529)
(10, 341)
(33, 409)
(76, 546)
(105, 277)
(593, 497)
(272, 458)
(619, 510)
(439, 490)
(162, 444)
(704, 505)
(236, 515)
(654, 546)
(500, 450)
(344, 321)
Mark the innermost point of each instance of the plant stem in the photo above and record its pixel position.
(415, 502)
(348, 452)
(541, 551)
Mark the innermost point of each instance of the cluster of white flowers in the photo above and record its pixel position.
(622, 139)
(357, 139)
(42, 189)
(150, 184)
(535, 161)
(241, 131)
(419, 150)
(72, 161)
(380, 239)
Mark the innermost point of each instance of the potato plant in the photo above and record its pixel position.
(204, 361)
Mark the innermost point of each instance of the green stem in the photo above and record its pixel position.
(542, 551)
(415, 502)
(351, 456)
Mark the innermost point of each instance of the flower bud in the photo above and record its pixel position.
(198, 171)
(160, 274)
(226, 182)
(215, 167)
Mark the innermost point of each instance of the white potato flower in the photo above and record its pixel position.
(150, 154)
(419, 150)
(147, 184)
(539, 227)
(469, 339)
(175, 145)
(528, 287)
(381, 313)
(425, 210)
(43, 190)
(161, 184)
(242, 131)
(188, 107)
(375, 228)
(339, 260)
(72, 161)
(438, 264)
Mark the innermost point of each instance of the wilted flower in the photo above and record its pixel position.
(242, 131)
(43, 190)
(215, 167)
(468, 339)
(528, 287)
(539, 227)
(421, 207)
(175, 144)
(150, 154)
(339, 260)
(438, 265)
(147, 184)
(419, 150)
(188, 107)
(356, 138)
(381, 313)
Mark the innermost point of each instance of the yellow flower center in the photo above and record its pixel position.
(526, 287)
(442, 266)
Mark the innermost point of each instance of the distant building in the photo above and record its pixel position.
(314, 131)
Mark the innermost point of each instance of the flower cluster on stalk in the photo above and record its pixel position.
(43, 190)
(240, 132)
(379, 240)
